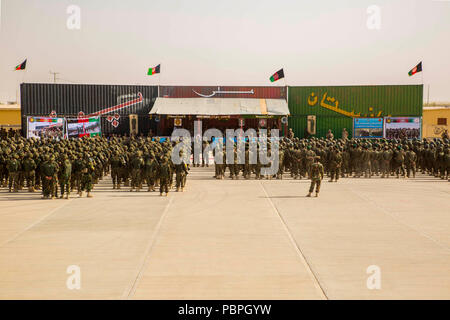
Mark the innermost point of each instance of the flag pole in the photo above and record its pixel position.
(285, 126)
(159, 78)
(423, 85)
(23, 80)
(422, 71)
(159, 82)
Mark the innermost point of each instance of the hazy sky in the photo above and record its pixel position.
(206, 42)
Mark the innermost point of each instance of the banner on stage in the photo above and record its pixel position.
(402, 128)
(45, 127)
(78, 128)
(368, 127)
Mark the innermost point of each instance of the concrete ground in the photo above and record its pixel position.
(228, 239)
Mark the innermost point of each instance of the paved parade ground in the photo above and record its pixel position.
(228, 239)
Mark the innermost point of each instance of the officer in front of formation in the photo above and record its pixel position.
(316, 173)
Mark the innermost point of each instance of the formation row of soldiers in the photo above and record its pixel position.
(67, 165)
(9, 133)
(145, 161)
(351, 158)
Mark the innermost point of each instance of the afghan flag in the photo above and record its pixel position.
(416, 69)
(152, 71)
(22, 66)
(277, 75)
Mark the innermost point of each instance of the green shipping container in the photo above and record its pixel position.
(323, 123)
(336, 106)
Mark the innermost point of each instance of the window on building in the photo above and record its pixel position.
(442, 121)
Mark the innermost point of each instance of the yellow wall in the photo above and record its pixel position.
(430, 128)
(10, 117)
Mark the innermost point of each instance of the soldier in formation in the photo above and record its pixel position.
(343, 158)
(79, 164)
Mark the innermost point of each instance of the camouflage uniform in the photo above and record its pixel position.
(49, 171)
(316, 173)
(13, 167)
(64, 175)
(29, 167)
(164, 174)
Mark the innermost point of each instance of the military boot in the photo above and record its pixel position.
(114, 185)
(309, 194)
(89, 195)
(317, 194)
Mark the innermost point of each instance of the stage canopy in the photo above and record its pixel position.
(220, 107)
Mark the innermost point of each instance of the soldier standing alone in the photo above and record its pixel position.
(316, 173)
